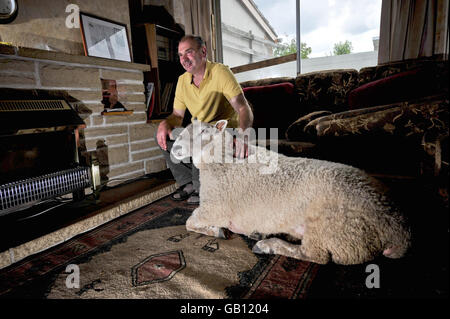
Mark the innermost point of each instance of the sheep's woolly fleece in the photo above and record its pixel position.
(337, 211)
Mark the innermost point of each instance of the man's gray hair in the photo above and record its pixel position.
(196, 38)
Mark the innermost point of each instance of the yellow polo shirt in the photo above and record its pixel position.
(209, 102)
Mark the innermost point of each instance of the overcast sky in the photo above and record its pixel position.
(326, 22)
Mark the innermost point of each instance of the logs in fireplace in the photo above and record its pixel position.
(39, 157)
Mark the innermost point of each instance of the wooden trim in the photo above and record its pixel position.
(264, 63)
(150, 32)
(117, 113)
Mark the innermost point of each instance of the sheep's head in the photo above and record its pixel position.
(197, 139)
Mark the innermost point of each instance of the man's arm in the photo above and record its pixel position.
(165, 127)
(240, 104)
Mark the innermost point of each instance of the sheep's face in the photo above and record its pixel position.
(195, 139)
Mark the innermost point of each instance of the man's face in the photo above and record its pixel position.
(191, 56)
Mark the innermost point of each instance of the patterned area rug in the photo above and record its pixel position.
(149, 254)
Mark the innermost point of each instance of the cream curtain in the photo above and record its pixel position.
(412, 29)
(198, 21)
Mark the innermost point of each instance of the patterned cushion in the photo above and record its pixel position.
(326, 90)
(407, 119)
(438, 68)
(402, 86)
(267, 81)
(296, 131)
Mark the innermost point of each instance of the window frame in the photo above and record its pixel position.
(216, 26)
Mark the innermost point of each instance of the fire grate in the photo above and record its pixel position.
(33, 105)
(24, 193)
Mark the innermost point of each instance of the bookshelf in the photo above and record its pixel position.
(159, 48)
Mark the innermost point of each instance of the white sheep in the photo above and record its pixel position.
(337, 211)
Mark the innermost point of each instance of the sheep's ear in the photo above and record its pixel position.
(221, 125)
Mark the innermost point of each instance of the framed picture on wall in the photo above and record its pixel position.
(104, 38)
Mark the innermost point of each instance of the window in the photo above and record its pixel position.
(334, 34)
(341, 34)
(248, 35)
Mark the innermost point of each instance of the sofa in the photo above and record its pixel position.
(387, 119)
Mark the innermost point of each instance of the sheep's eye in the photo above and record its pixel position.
(206, 133)
(202, 132)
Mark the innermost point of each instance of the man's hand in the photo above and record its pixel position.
(165, 127)
(161, 135)
(240, 104)
(240, 146)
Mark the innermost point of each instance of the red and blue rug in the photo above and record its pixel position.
(148, 254)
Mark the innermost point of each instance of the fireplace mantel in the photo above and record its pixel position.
(69, 58)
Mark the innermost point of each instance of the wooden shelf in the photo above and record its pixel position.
(117, 113)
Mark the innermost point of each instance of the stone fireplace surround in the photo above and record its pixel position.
(131, 147)
(124, 144)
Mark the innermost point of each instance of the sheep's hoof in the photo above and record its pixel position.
(224, 233)
(257, 236)
(261, 248)
(257, 250)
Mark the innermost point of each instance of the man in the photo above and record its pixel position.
(210, 92)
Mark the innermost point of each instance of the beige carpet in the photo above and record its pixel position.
(149, 254)
(210, 265)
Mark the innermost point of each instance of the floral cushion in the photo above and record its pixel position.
(399, 87)
(438, 68)
(267, 81)
(296, 132)
(326, 90)
(407, 119)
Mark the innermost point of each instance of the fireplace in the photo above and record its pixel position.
(38, 149)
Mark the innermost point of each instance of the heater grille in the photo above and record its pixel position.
(22, 194)
(33, 105)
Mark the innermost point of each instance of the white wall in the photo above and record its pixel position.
(235, 15)
(237, 22)
(346, 61)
